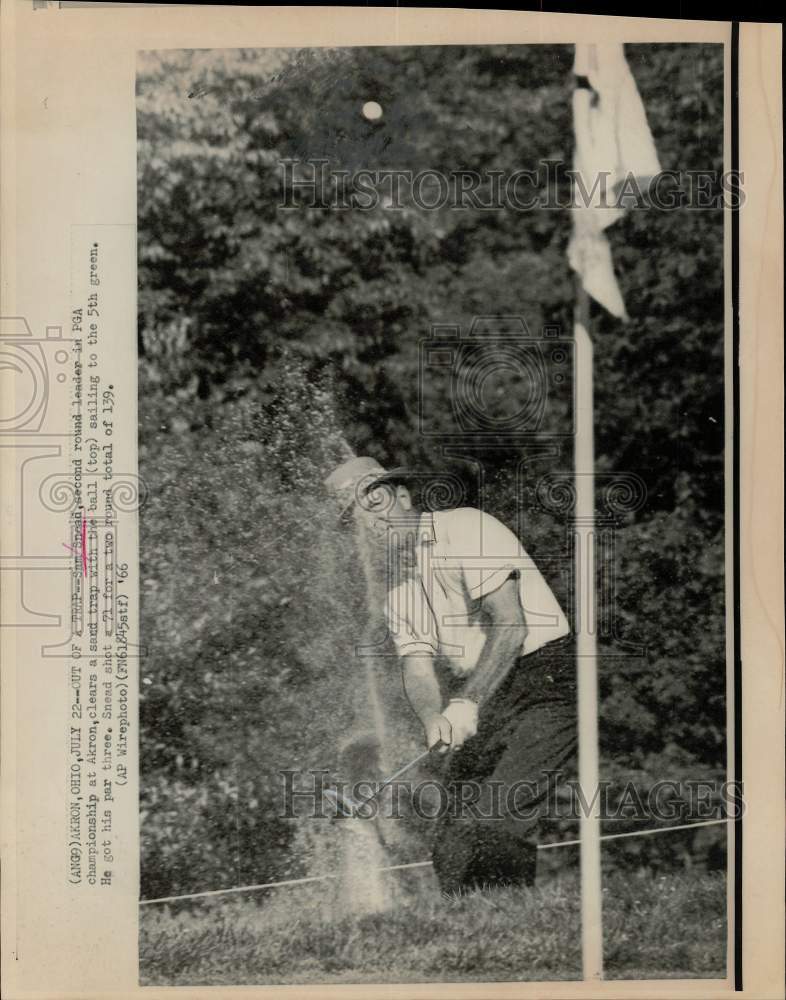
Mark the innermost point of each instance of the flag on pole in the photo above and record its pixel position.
(613, 146)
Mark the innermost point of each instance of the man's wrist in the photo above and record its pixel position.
(472, 691)
(470, 705)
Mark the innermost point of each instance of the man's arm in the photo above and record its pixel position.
(506, 632)
(422, 690)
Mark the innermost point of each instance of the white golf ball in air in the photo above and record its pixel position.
(372, 111)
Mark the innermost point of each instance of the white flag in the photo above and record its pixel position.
(613, 144)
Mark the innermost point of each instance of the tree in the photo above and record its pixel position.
(266, 331)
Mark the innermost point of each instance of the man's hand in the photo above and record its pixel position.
(438, 733)
(446, 730)
(450, 730)
(462, 716)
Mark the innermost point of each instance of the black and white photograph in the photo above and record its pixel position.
(391, 465)
(435, 437)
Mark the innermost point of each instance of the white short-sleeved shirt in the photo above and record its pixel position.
(462, 555)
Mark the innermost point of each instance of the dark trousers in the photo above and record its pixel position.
(527, 730)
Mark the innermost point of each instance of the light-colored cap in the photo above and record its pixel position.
(352, 480)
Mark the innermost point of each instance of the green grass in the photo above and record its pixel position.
(668, 927)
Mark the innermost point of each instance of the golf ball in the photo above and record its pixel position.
(372, 111)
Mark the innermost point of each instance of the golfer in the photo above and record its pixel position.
(477, 629)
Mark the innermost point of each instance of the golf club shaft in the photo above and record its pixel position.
(404, 769)
(350, 806)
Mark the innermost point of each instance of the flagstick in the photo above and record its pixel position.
(586, 649)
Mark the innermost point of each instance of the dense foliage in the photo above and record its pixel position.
(267, 332)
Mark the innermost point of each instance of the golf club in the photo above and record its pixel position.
(351, 807)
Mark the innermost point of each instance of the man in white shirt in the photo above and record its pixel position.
(467, 606)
